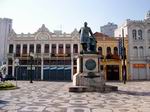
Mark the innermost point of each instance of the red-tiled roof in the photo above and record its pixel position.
(101, 36)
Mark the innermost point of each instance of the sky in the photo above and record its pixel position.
(66, 15)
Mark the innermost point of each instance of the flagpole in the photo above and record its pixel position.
(124, 67)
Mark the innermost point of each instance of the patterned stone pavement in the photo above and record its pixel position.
(54, 97)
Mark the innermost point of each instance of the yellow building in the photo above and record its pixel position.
(111, 62)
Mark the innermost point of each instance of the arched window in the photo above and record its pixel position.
(109, 54)
(134, 34)
(60, 49)
(141, 51)
(38, 48)
(115, 51)
(18, 48)
(53, 49)
(68, 49)
(11, 47)
(135, 51)
(46, 48)
(24, 51)
(148, 34)
(140, 34)
(75, 48)
(149, 51)
(100, 51)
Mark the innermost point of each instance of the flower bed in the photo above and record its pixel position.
(7, 86)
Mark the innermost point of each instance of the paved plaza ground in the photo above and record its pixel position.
(43, 96)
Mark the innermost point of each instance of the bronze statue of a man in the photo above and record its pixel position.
(85, 39)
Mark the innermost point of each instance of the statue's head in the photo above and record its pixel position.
(85, 24)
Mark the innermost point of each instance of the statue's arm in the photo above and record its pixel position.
(91, 32)
(79, 31)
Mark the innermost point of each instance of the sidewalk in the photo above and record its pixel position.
(54, 97)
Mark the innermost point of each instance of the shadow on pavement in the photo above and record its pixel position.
(134, 93)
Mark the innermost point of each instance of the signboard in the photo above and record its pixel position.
(139, 65)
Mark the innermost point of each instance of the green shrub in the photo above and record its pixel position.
(6, 85)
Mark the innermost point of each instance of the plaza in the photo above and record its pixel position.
(45, 96)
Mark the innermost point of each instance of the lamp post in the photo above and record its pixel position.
(31, 55)
(16, 64)
(123, 56)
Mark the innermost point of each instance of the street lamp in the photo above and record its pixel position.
(16, 64)
(31, 55)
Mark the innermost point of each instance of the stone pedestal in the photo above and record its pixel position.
(88, 77)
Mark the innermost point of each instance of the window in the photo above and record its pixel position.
(141, 51)
(135, 51)
(134, 34)
(109, 55)
(140, 34)
(68, 49)
(149, 51)
(18, 50)
(11, 48)
(115, 51)
(38, 48)
(53, 49)
(24, 49)
(75, 48)
(148, 34)
(100, 51)
(46, 48)
(31, 49)
(60, 49)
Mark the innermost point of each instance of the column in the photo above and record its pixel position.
(28, 47)
(72, 48)
(42, 48)
(14, 49)
(21, 46)
(13, 58)
(64, 46)
(72, 67)
(13, 68)
(57, 48)
(34, 48)
(79, 48)
(41, 68)
(50, 48)
(147, 70)
(7, 65)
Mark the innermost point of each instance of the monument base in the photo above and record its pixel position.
(104, 89)
(89, 77)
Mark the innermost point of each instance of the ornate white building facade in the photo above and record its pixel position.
(52, 54)
(138, 33)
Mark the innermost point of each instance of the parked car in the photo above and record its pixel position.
(9, 77)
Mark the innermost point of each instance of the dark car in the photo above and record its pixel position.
(9, 77)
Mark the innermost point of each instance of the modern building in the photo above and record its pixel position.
(5, 28)
(110, 59)
(108, 29)
(138, 32)
(49, 55)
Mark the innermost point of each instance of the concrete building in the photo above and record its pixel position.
(138, 33)
(53, 54)
(5, 28)
(108, 29)
(110, 59)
